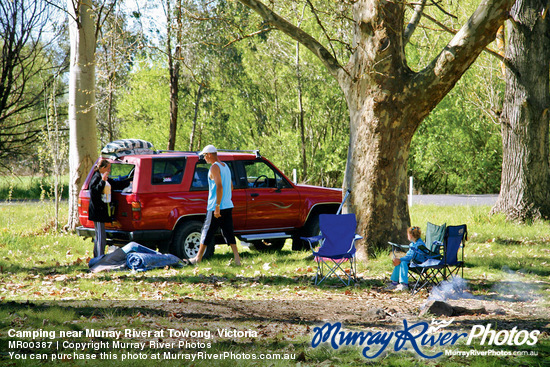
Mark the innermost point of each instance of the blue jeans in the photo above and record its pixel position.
(401, 273)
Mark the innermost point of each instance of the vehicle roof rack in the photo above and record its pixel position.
(255, 151)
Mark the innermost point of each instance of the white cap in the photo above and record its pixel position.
(209, 149)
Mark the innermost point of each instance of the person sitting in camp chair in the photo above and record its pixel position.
(400, 278)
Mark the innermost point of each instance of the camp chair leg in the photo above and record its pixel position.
(333, 267)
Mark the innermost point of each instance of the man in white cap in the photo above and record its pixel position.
(220, 207)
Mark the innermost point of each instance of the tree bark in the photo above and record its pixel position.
(82, 108)
(195, 117)
(301, 114)
(174, 64)
(387, 101)
(525, 183)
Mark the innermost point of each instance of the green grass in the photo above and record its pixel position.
(31, 188)
(482, 227)
(44, 285)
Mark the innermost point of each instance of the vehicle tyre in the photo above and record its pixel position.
(187, 239)
(309, 230)
(275, 244)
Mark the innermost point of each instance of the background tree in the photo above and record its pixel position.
(84, 23)
(28, 67)
(174, 53)
(525, 182)
(118, 47)
(387, 100)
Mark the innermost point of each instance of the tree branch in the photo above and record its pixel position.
(413, 23)
(240, 38)
(453, 32)
(296, 33)
(447, 68)
(313, 10)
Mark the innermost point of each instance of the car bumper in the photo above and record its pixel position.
(128, 236)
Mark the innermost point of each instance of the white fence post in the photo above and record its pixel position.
(294, 176)
(410, 191)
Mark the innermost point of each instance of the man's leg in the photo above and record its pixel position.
(236, 254)
(226, 225)
(209, 227)
(198, 258)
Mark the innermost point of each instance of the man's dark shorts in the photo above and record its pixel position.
(224, 222)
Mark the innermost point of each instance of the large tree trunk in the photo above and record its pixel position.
(82, 115)
(387, 102)
(380, 128)
(525, 183)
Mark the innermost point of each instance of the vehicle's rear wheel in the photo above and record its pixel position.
(187, 239)
(275, 244)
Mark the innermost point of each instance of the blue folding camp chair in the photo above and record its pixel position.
(433, 271)
(337, 242)
(434, 239)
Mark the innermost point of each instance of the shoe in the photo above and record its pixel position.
(391, 287)
(402, 288)
(192, 261)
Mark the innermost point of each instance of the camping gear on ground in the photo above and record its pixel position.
(135, 257)
(141, 258)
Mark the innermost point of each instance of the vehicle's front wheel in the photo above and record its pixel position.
(309, 230)
(187, 239)
(275, 244)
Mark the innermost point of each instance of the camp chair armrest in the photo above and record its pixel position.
(312, 240)
(398, 246)
(356, 238)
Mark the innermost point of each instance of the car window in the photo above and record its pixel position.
(121, 176)
(167, 171)
(121, 171)
(260, 174)
(200, 176)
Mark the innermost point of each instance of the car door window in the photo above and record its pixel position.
(260, 175)
(200, 176)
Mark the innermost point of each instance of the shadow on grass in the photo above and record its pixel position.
(527, 264)
(184, 311)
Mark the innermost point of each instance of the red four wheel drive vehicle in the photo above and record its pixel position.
(160, 201)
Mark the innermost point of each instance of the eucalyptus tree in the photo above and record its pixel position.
(386, 99)
(525, 182)
(84, 22)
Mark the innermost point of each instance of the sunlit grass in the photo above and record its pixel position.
(481, 225)
(31, 187)
(39, 264)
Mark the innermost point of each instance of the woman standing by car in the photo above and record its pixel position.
(98, 211)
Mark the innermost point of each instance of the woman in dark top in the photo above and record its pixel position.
(98, 211)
